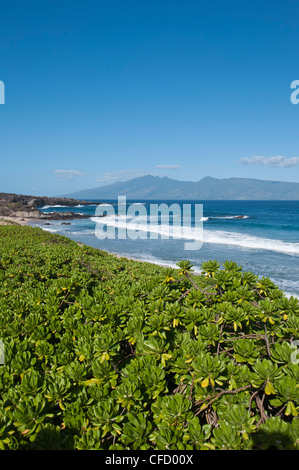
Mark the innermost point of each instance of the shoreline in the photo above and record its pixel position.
(5, 220)
(21, 221)
(116, 255)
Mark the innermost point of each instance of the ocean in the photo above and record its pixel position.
(260, 236)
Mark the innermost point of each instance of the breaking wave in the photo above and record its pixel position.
(242, 240)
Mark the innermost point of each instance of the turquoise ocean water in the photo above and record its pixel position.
(261, 236)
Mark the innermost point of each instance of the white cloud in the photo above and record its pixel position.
(67, 175)
(168, 167)
(274, 162)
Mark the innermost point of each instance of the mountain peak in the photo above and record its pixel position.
(150, 187)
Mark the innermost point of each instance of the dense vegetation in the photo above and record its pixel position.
(107, 353)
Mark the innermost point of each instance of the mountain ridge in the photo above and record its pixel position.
(151, 187)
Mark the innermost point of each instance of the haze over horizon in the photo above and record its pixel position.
(99, 92)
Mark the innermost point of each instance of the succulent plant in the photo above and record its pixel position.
(107, 353)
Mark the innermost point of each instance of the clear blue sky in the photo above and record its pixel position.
(98, 91)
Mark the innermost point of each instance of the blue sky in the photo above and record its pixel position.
(101, 91)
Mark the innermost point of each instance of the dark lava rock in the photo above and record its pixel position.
(18, 205)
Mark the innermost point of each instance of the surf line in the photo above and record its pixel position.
(133, 221)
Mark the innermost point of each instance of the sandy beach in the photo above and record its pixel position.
(14, 220)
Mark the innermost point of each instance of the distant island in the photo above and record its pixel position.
(163, 188)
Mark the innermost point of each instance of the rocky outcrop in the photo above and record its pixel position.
(63, 216)
(34, 214)
(37, 201)
(26, 207)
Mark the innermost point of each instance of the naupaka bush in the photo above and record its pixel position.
(110, 353)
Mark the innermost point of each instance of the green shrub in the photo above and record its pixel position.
(109, 353)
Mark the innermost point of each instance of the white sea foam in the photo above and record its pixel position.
(52, 230)
(250, 241)
(192, 233)
(288, 286)
(230, 217)
(137, 228)
(291, 294)
(50, 207)
(82, 232)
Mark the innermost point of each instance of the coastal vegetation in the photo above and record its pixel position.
(102, 352)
